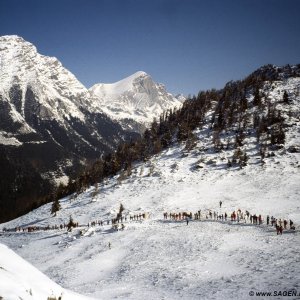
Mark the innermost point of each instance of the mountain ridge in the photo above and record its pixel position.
(134, 99)
(47, 118)
(50, 120)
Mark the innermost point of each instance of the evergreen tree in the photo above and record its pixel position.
(71, 224)
(191, 141)
(286, 97)
(243, 104)
(121, 209)
(55, 206)
(257, 98)
(96, 190)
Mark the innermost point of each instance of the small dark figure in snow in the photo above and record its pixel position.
(187, 220)
(280, 229)
(220, 204)
(109, 245)
(254, 218)
(268, 220)
(285, 223)
(272, 221)
(291, 224)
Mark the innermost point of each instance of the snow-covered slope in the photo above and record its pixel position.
(136, 99)
(160, 258)
(20, 280)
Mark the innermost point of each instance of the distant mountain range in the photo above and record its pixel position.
(50, 124)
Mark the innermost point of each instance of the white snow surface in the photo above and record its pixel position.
(165, 259)
(9, 140)
(136, 97)
(20, 280)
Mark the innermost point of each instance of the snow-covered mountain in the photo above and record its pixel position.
(135, 101)
(211, 257)
(49, 125)
(42, 100)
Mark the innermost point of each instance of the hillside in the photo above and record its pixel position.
(210, 258)
(160, 258)
(20, 280)
(248, 117)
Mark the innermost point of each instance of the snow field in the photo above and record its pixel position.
(163, 259)
(20, 280)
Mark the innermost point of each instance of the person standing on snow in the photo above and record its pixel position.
(187, 220)
(220, 204)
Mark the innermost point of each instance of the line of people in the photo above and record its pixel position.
(38, 228)
(113, 222)
(121, 219)
(235, 216)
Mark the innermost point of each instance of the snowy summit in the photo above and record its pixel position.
(134, 101)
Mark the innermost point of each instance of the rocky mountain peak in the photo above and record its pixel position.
(134, 101)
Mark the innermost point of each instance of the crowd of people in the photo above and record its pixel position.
(118, 222)
(235, 216)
